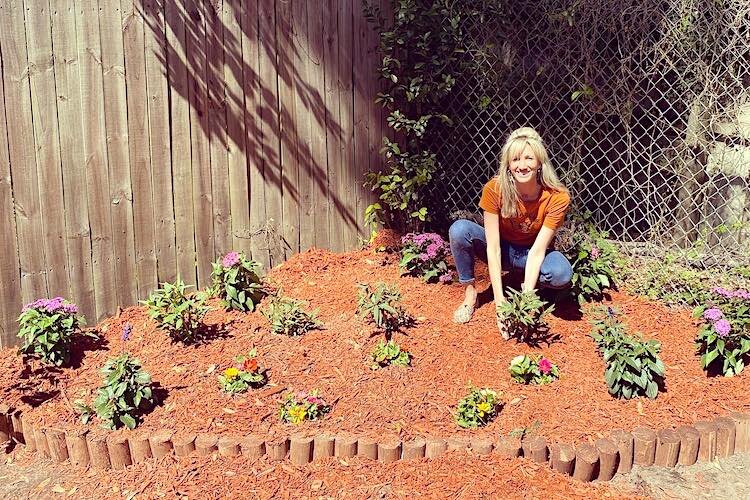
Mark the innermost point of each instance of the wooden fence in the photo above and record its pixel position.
(140, 139)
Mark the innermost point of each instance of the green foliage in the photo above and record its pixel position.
(723, 340)
(236, 282)
(537, 370)
(424, 255)
(246, 374)
(47, 327)
(424, 49)
(389, 354)
(381, 305)
(478, 408)
(523, 313)
(633, 366)
(287, 316)
(302, 406)
(124, 395)
(176, 312)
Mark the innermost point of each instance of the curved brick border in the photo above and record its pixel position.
(602, 460)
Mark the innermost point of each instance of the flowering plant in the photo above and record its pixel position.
(539, 370)
(236, 282)
(287, 317)
(389, 353)
(303, 406)
(47, 328)
(478, 408)
(247, 373)
(176, 312)
(523, 313)
(724, 338)
(424, 255)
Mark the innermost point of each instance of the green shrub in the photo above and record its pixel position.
(389, 354)
(381, 305)
(288, 317)
(523, 313)
(47, 327)
(477, 409)
(176, 312)
(236, 282)
(246, 374)
(124, 395)
(723, 340)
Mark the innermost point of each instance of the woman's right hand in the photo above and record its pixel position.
(501, 327)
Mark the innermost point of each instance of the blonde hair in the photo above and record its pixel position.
(517, 141)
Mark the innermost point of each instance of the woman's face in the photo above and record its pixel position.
(524, 166)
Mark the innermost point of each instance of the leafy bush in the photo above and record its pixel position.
(523, 313)
(477, 409)
(236, 282)
(381, 305)
(424, 255)
(724, 339)
(176, 312)
(538, 370)
(246, 374)
(389, 354)
(47, 329)
(287, 317)
(633, 364)
(302, 406)
(124, 395)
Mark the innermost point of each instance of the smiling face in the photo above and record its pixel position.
(524, 165)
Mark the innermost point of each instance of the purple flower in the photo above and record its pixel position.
(610, 312)
(723, 292)
(446, 278)
(742, 294)
(57, 304)
(230, 259)
(713, 314)
(433, 249)
(722, 327)
(594, 252)
(424, 257)
(126, 331)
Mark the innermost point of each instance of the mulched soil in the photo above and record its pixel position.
(393, 402)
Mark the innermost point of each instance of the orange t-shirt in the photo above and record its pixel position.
(549, 211)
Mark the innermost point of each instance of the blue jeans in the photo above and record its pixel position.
(468, 242)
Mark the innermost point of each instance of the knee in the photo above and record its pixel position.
(458, 232)
(556, 271)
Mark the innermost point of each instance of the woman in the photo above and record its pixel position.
(524, 205)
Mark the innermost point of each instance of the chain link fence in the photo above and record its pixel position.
(644, 107)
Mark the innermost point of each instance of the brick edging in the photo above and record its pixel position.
(600, 460)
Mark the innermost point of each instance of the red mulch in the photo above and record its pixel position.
(397, 402)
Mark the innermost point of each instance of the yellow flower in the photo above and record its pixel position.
(297, 414)
(484, 408)
(231, 373)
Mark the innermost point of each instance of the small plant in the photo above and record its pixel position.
(633, 366)
(302, 406)
(236, 282)
(247, 373)
(382, 305)
(523, 313)
(477, 409)
(47, 329)
(176, 312)
(607, 328)
(724, 338)
(288, 317)
(124, 395)
(389, 354)
(593, 259)
(538, 370)
(424, 255)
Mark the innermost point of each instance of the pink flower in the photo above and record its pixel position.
(446, 278)
(722, 327)
(545, 366)
(230, 259)
(713, 314)
(595, 252)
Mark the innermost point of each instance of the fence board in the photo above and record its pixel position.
(68, 84)
(198, 92)
(155, 38)
(138, 145)
(332, 124)
(217, 116)
(47, 145)
(116, 123)
(361, 114)
(270, 228)
(182, 182)
(261, 127)
(347, 168)
(21, 150)
(10, 270)
(95, 147)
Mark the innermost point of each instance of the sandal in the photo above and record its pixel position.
(463, 314)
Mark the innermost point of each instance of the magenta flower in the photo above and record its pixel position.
(446, 278)
(595, 252)
(424, 257)
(723, 292)
(314, 400)
(545, 366)
(722, 327)
(230, 259)
(713, 314)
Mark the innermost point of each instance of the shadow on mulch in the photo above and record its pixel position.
(208, 333)
(83, 343)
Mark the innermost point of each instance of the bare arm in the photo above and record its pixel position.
(492, 234)
(535, 258)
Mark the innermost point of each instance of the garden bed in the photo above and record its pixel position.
(395, 402)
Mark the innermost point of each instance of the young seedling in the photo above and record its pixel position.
(176, 312)
(287, 316)
(523, 314)
(381, 305)
(389, 354)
